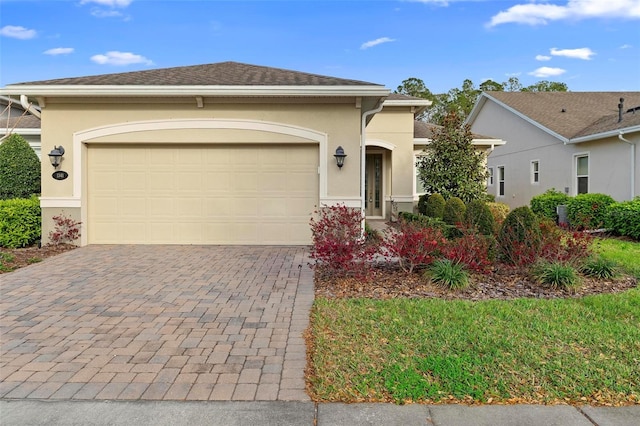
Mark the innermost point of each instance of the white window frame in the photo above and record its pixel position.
(501, 180)
(535, 172)
(416, 156)
(575, 171)
(490, 177)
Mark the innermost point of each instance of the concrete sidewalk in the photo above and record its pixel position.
(159, 413)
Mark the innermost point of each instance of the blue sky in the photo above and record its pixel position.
(591, 45)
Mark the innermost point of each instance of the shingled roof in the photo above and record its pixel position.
(424, 130)
(218, 74)
(573, 115)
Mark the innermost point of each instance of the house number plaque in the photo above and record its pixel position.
(60, 175)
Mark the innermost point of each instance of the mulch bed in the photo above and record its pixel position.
(504, 283)
(26, 256)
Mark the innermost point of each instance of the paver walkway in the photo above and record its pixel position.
(157, 323)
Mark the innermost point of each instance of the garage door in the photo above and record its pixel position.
(213, 194)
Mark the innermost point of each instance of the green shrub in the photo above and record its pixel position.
(519, 238)
(624, 218)
(434, 207)
(454, 210)
(499, 212)
(422, 203)
(599, 267)
(588, 211)
(448, 274)
(19, 169)
(20, 222)
(557, 274)
(449, 231)
(478, 216)
(544, 205)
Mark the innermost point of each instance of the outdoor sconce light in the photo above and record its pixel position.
(340, 155)
(56, 156)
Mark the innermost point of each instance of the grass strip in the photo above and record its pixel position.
(429, 350)
(624, 253)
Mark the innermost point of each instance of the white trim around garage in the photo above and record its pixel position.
(82, 138)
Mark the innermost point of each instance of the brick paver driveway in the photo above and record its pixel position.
(157, 322)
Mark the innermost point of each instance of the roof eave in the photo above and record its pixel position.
(475, 142)
(603, 135)
(28, 131)
(118, 90)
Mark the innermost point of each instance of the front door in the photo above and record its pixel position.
(373, 185)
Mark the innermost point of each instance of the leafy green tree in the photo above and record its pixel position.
(462, 99)
(19, 169)
(546, 86)
(452, 167)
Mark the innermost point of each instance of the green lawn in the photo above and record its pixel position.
(625, 253)
(583, 350)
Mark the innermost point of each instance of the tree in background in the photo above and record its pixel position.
(461, 100)
(19, 169)
(452, 167)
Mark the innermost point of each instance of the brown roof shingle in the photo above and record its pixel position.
(424, 130)
(573, 114)
(218, 74)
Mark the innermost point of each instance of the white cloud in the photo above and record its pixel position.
(625, 46)
(59, 51)
(15, 31)
(100, 13)
(376, 42)
(543, 58)
(543, 72)
(120, 58)
(110, 3)
(543, 13)
(582, 53)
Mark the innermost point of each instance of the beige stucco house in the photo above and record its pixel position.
(224, 153)
(575, 142)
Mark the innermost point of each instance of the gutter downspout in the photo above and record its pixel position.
(24, 101)
(363, 154)
(633, 162)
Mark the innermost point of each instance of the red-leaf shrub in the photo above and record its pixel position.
(413, 245)
(474, 250)
(66, 230)
(338, 247)
(561, 245)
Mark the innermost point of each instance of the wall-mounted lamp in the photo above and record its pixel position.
(340, 156)
(56, 156)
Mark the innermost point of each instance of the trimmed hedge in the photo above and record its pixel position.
(454, 210)
(499, 212)
(544, 205)
(624, 218)
(20, 222)
(449, 231)
(478, 216)
(19, 169)
(589, 211)
(519, 238)
(434, 207)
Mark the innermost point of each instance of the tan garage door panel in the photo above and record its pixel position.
(249, 194)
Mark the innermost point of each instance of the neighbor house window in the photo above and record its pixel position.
(582, 174)
(500, 181)
(490, 178)
(535, 171)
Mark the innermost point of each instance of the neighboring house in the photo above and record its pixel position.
(14, 119)
(575, 142)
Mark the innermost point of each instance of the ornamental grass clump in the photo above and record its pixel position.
(599, 267)
(449, 274)
(557, 275)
